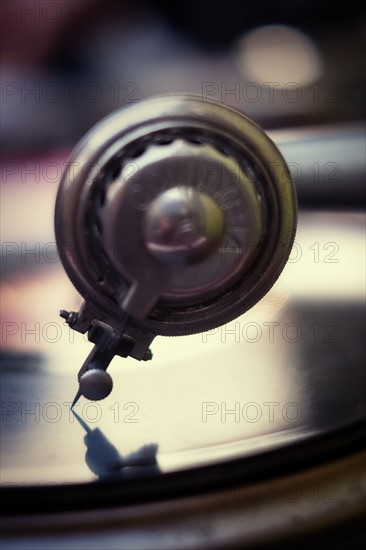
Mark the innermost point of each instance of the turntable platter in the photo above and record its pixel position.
(286, 372)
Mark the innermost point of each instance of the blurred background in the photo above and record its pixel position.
(68, 63)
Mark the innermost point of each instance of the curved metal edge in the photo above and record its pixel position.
(319, 483)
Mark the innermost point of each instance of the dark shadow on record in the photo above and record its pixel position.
(104, 460)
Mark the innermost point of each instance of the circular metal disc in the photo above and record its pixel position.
(122, 139)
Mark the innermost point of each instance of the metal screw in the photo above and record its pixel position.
(69, 316)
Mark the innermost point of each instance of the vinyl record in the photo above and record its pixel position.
(263, 414)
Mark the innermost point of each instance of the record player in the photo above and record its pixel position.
(208, 259)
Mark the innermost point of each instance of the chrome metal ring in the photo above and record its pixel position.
(124, 138)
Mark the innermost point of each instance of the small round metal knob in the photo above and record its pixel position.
(182, 226)
(95, 384)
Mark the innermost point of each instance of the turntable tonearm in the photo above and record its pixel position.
(174, 216)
